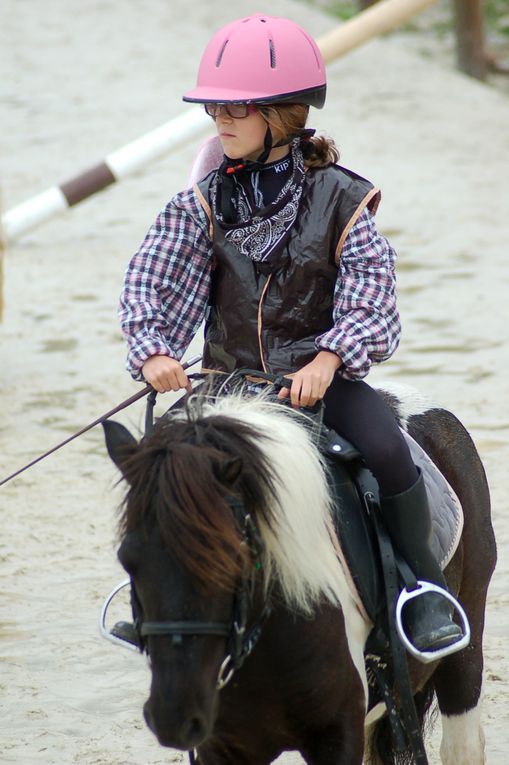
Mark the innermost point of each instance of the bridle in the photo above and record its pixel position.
(241, 638)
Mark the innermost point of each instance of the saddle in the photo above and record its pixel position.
(351, 482)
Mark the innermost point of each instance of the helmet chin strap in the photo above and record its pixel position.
(267, 147)
(304, 134)
(268, 144)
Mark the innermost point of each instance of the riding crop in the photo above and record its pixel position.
(144, 392)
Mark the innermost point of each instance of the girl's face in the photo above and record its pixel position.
(241, 138)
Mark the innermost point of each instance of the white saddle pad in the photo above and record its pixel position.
(446, 511)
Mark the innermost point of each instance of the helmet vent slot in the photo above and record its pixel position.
(272, 55)
(221, 53)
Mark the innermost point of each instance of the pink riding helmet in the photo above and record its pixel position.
(261, 59)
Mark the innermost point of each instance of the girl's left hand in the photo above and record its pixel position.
(310, 383)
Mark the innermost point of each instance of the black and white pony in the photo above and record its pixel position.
(255, 638)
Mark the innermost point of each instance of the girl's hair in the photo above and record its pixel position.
(289, 120)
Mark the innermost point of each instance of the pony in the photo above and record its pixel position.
(255, 642)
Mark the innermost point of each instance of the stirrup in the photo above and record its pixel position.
(117, 635)
(433, 655)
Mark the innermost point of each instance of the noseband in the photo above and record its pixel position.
(179, 629)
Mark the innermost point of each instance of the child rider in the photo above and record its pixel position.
(278, 250)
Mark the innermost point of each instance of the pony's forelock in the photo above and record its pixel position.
(176, 483)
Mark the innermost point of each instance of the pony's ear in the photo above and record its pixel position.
(119, 442)
(229, 471)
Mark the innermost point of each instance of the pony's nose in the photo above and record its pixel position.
(188, 735)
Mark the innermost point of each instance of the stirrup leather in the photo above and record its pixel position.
(433, 655)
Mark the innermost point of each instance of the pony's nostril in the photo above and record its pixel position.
(193, 732)
(175, 733)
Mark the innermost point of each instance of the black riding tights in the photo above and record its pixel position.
(359, 414)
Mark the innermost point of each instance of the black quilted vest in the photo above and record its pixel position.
(266, 316)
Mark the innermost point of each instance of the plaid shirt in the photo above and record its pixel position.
(167, 285)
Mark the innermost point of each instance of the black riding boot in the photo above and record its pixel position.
(427, 618)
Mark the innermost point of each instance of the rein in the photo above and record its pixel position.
(148, 389)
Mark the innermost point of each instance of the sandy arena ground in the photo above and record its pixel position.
(82, 79)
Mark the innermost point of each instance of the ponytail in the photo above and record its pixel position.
(319, 151)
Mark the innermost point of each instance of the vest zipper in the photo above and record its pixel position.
(260, 345)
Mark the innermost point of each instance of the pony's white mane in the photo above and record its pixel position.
(301, 546)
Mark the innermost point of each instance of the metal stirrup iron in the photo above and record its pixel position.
(432, 655)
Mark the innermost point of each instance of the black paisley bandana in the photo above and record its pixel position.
(260, 233)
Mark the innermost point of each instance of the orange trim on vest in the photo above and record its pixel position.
(206, 207)
(372, 200)
(260, 322)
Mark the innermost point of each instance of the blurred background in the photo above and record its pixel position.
(422, 111)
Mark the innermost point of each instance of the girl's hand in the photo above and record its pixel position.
(164, 374)
(310, 383)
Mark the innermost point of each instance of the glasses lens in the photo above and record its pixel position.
(236, 111)
(212, 109)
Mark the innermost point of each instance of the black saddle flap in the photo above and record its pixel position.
(349, 480)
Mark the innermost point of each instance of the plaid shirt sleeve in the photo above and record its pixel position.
(167, 284)
(366, 327)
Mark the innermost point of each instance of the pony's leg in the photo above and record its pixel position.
(458, 685)
(458, 682)
(458, 678)
(219, 753)
(338, 745)
(463, 738)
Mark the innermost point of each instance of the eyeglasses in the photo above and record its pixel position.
(235, 111)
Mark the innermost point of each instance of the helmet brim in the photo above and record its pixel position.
(205, 95)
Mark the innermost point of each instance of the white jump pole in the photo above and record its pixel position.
(115, 167)
(375, 20)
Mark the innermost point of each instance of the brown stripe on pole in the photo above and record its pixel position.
(88, 183)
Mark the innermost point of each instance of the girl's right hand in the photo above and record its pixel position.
(164, 373)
